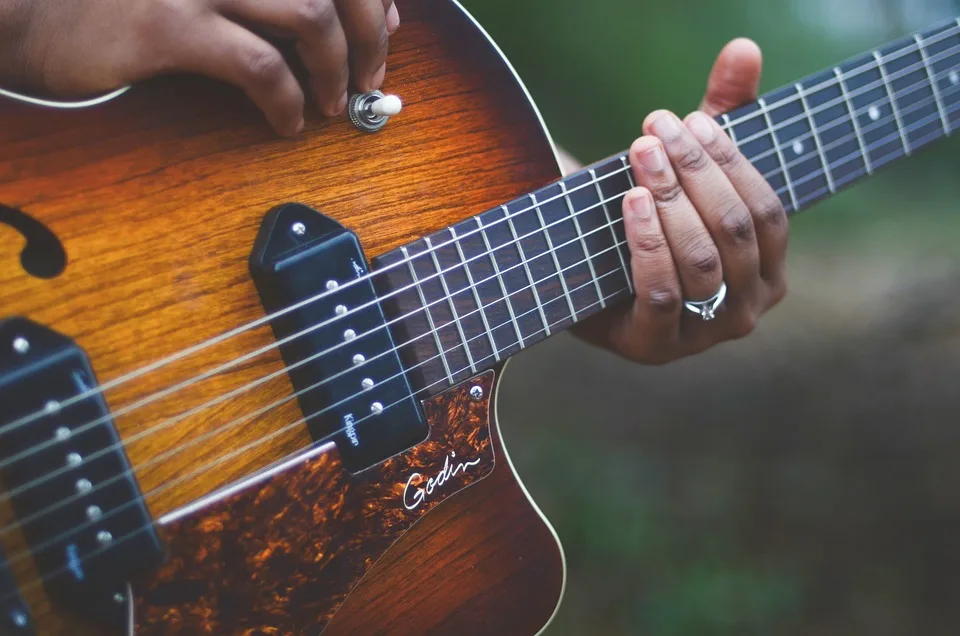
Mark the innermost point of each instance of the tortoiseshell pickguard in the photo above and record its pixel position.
(280, 557)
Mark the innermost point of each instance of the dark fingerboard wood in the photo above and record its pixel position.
(474, 294)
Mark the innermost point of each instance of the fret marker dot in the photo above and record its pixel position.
(94, 513)
(954, 78)
(332, 284)
(104, 537)
(21, 345)
(52, 406)
(74, 459)
(349, 334)
(359, 359)
(367, 384)
(62, 434)
(376, 408)
(798, 148)
(340, 310)
(84, 485)
(873, 113)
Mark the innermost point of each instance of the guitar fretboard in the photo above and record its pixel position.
(465, 298)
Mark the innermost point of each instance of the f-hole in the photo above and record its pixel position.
(43, 256)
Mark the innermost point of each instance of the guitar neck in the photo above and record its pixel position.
(476, 293)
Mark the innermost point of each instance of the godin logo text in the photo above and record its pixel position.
(413, 496)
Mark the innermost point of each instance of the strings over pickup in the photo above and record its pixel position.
(334, 338)
(67, 475)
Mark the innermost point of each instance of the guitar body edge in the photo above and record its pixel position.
(486, 561)
(156, 202)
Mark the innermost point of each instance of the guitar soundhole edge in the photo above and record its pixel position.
(43, 256)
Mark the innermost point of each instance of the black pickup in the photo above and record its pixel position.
(351, 385)
(69, 479)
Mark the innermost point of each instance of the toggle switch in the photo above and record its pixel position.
(370, 112)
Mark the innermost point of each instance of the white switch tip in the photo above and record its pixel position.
(388, 106)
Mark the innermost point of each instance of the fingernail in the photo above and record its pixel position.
(641, 205)
(666, 126)
(299, 127)
(652, 159)
(701, 127)
(393, 19)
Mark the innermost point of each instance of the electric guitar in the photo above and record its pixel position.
(248, 385)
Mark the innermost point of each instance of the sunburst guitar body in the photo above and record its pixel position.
(157, 199)
(248, 385)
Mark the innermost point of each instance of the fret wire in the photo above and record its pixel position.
(426, 310)
(860, 91)
(453, 307)
(816, 137)
(526, 266)
(733, 133)
(893, 101)
(856, 120)
(556, 260)
(606, 214)
(776, 144)
(476, 294)
(886, 139)
(922, 141)
(933, 84)
(180, 355)
(503, 287)
(878, 144)
(583, 243)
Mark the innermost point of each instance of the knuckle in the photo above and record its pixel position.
(770, 212)
(663, 300)
(692, 159)
(728, 156)
(319, 15)
(736, 224)
(264, 66)
(669, 193)
(648, 243)
(703, 259)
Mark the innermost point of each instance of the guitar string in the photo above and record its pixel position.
(783, 171)
(871, 66)
(239, 451)
(209, 466)
(202, 377)
(195, 410)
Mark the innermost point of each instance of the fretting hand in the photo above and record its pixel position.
(83, 47)
(701, 217)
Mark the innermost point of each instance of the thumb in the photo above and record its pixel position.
(735, 78)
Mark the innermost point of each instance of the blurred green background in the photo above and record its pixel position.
(805, 480)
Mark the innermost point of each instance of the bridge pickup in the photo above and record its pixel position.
(68, 477)
(340, 354)
(14, 614)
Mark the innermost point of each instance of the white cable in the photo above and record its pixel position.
(36, 101)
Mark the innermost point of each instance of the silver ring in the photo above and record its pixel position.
(707, 309)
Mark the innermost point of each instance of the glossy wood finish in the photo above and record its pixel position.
(283, 553)
(158, 196)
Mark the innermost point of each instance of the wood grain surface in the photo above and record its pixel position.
(158, 195)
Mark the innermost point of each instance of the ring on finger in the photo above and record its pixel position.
(707, 309)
